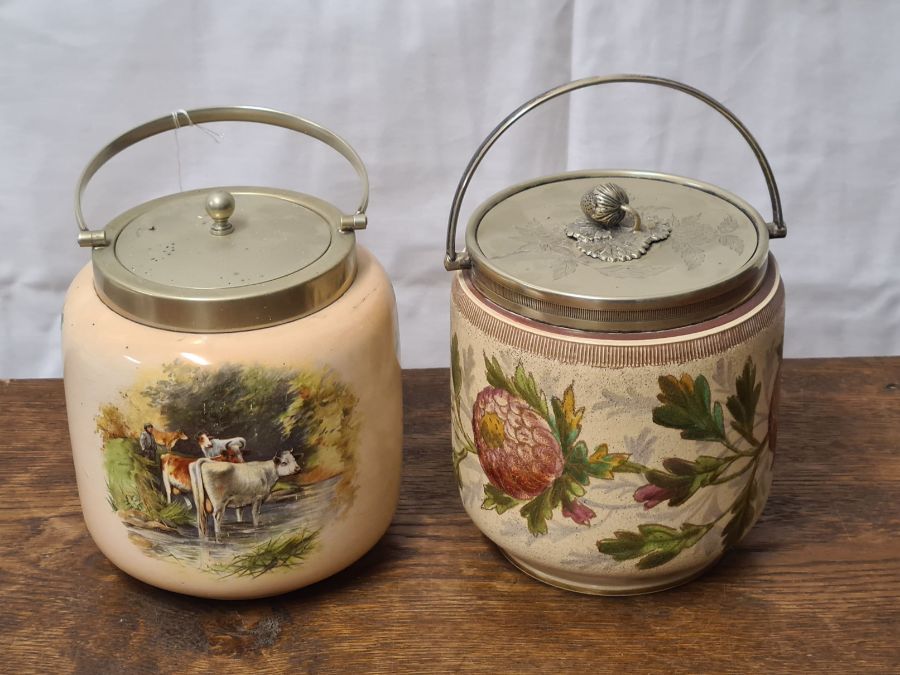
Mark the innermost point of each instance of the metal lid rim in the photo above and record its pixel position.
(545, 304)
(228, 309)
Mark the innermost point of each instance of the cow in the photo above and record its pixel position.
(236, 485)
(176, 472)
(213, 447)
(168, 438)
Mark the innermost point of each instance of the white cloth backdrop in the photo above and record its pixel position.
(414, 86)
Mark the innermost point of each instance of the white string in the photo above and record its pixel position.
(176, 117)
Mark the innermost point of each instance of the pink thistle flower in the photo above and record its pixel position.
(516, 448)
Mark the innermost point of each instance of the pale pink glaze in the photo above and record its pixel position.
(355, 337)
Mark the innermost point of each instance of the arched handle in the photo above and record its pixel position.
(357, 221)
(454, 260)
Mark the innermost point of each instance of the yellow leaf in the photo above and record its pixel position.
(599, 454)
(572, 416)
(617, 460)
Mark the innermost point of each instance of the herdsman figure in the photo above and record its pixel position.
(148, 443)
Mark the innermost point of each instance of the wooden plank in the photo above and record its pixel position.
(815, 587)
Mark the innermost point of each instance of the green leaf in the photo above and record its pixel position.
(576, 467)
(455, 366)
(458, 457)
(522, 385)
(559, 425)
(687, 406)
(742, 405)
(653, 543)
(601, 464)
(526, 388)
(497, 500)
(540, 509)
(683, 478)
(680, 467)
(494, 374)
(575, 489)
(704, 465)
(701, 389)
(742, 513)
(719, 418)
(656, 559)
(567, 419)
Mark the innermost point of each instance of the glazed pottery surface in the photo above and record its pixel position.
(614, 463)
(615, 357)
(325, 388)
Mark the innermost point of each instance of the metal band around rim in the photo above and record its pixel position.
(226, 309)
(457, 260)
(357, 221)
(595, 313)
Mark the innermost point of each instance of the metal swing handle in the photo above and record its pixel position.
(456, 260)
(356, 221)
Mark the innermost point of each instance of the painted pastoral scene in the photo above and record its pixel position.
(235, 469)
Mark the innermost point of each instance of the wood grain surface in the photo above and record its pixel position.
(814, 588)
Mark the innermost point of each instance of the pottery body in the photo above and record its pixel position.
(615, 356)
(632, 505)
(325, 388)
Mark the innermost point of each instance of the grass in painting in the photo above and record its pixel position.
(134, 486)
(285, 551)
(176, 513)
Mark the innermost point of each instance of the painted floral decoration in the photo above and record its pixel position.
(687, 406)
(530, 451)
(534, 460)
(516, 447)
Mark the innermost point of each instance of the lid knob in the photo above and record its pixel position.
(607, 205)
(600, 236)
(220, 207)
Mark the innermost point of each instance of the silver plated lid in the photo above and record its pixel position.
(224, 259)
(615, 250)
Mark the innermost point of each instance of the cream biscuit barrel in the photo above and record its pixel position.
(232, 382)
(616, 349)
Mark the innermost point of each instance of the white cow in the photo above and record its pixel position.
(235, 485)
(213, 447)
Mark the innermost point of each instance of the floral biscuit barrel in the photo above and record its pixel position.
(232, 382)
(616, 348)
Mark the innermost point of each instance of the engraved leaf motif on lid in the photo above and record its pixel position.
(697, 237)
(726, 238)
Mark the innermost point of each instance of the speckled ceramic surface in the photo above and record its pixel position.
(236, 464)
(615, 463)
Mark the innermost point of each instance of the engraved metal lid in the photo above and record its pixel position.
(615, 250)
(224, 259)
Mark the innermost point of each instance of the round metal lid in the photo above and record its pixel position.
(698, 251)
(224, 259)
(166, 266)
(615, 250)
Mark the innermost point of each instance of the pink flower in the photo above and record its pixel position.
(652, 495)
(516, 448)
(578, 512)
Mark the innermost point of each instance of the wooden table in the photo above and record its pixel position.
(815, 587)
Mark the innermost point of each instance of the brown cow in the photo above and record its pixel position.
(168, 438)
(176, 473)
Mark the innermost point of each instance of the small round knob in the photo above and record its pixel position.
(607, 205)
(220, 207)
